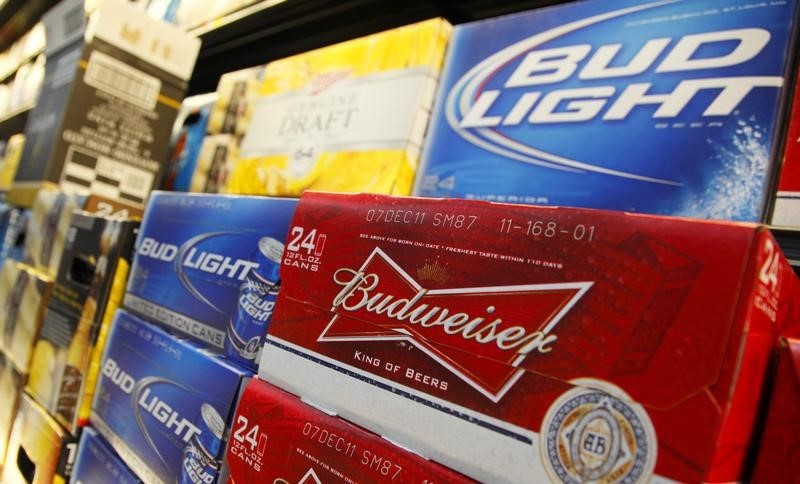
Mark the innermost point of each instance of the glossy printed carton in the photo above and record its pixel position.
(24, 294)
(97, 251)
(350, 117)
(516, 343)
(207, 267)
(121, 88)
(277, 437)
(787, 202)
(662, 107)
(163, 404)
(39, 450)
(96, 462)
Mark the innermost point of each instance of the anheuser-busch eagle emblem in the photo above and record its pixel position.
(381, 302)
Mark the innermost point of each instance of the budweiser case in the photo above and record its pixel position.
(72, 320)
(163, 403)
(207, 266)
(39, 451)
(350, 117)
(23, 294)
(96, 462)
(780, 445)
(514, 343)
(276, 437)
(681, 102)
(787, 202)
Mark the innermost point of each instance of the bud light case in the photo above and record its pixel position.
(659, 107)
(163, 403)
(207, 266)
(96, 462)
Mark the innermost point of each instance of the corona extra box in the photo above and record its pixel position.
(23, 295)
(163, 404)
(348, 118)
(207, 266)
(516, 343)
(276, 437)
(39, 450)
(669, 108)
(787, 203)
(72, 323)
(125, 86)
(96, 462)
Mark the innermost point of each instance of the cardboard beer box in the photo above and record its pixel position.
(350, 117)
(13, 224)
(277, 437)
(163, 403)
(65, 27)
(113, 135)
(670, 108)
(516, 343)
(96, 462)
(208, 267)
(24, 293)
(48, 226)
(39, 450)
(10, 388)
(786, 211)
(779, 451)
(73, 319)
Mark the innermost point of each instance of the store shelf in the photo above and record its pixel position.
(274, 29)
(789, 240)
(19, 16)
(14, 122)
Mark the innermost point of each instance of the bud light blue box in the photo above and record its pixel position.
(164, 403)
(660, 107)
(207, 267)
(96, 462)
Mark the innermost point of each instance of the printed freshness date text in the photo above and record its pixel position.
(417, 217)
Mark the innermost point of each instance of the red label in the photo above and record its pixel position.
(277, 438)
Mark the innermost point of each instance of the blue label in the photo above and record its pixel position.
(96, 462)
(157, 394)
(665, 107)
(193, 254)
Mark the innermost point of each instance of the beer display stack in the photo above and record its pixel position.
(522, 249)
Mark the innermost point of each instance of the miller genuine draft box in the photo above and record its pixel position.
(115, 124)
(278, 438)
(662, 107)
(515, 343)
(164, 404)
(48, 227)
(70, 337)
(350, 117)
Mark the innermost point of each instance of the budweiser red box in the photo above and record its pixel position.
(516, 343)
(278, 438)
(779, 452)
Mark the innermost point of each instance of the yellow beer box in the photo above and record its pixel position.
(350, 117)
(10, 390)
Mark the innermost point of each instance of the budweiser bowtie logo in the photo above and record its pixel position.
(380, 301)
